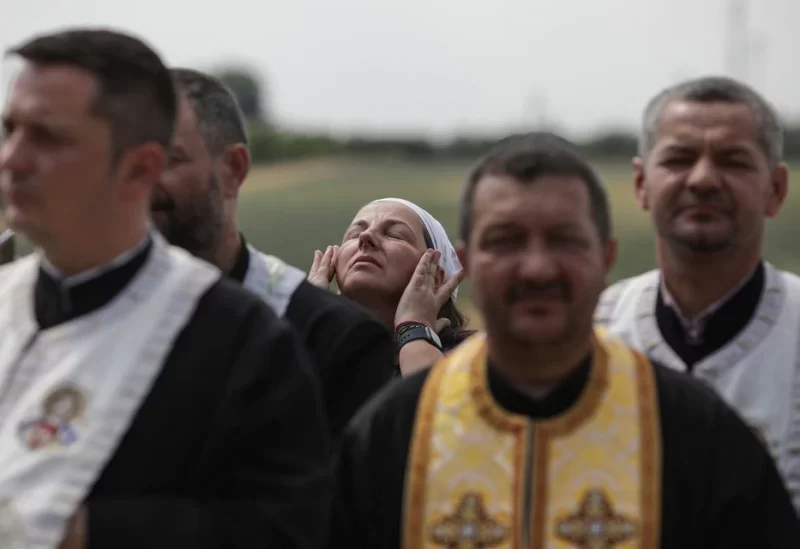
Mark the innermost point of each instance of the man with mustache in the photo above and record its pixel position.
(145, 400)
(543, 433)
(710, 173)
(194, 207)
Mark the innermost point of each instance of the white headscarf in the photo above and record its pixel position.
(449, 260)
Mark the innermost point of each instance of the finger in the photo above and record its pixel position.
(441, 324)
(435, 262)
(420, 276)
(326, 259)
(449, 286)
(316, 262)
(332, 266)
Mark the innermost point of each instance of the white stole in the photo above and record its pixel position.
(757, 372)
(68, 394)
(272, 280)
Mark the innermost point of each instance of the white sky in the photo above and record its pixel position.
(439, 66)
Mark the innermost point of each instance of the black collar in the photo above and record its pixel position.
(723, 325)
(239, 270)
(56, 302)
(558, 401)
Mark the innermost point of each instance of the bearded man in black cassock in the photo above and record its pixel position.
(195, 206)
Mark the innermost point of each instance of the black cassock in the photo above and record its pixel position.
(720, 487)
(353, 353)
(229, 449)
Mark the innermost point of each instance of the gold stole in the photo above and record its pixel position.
(481, 477)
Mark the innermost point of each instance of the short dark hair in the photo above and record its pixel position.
(713, 89)
(527, 158)
(135, 93)
(218, 113)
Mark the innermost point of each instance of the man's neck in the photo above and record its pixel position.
(538, 367)
(93, 253)
(230, 245)
(698, 281)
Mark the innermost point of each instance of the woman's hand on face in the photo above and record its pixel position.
(323, 269)
(423, 297)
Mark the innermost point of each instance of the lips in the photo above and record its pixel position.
(366, 259)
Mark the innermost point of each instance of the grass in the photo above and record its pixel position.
(292, 209)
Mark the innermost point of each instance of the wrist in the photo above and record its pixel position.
(408, 331)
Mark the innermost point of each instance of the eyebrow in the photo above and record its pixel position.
(725, 149)
(391, 221)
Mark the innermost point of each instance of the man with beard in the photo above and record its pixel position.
(145, 401)
(195, 208)
(542, 433)
(709, 171)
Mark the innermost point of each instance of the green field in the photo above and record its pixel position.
(292, 210)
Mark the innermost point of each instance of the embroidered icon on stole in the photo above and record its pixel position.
(596, 525)
(470, 527)
(54, 426)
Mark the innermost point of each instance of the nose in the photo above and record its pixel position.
(538, 264)
(14, 155)
(366, 241)
(704, 176)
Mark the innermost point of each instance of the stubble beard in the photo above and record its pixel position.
(197, 228)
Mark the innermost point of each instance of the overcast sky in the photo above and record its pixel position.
(438, 66)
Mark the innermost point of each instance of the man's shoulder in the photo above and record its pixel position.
(226, 300)
(22, 265)
(619, 287)
(791, 280)
(616, 293)
(393, 407)
(693, 408)
(311, 304)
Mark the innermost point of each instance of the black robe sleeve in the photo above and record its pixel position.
(370, 469)
(354, 353)
(721, 488)
(362, 363)
(271, 483)
(751, 507)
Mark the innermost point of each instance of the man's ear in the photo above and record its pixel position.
(638, 183)
(236, 159)
(610, 254)
(779, 187)
(139, 169)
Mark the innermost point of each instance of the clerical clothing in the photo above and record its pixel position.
(353, 353)
(622, 454)
(183, 412)
(747, 347)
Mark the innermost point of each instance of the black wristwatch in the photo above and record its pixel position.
(407, 332)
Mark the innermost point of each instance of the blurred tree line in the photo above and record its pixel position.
(270, 143)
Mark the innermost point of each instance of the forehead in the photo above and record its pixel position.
(51, 92)
(379, 212)
(548, 200)
(719, 124)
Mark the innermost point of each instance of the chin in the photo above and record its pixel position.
(705, 242)
(533, 331)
